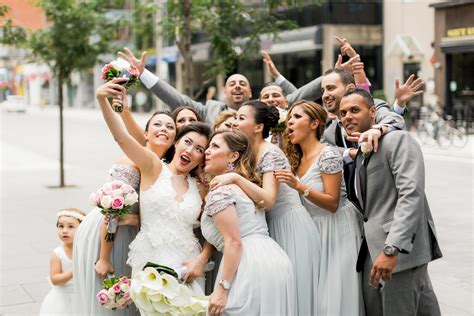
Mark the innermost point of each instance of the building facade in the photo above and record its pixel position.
(454, 56)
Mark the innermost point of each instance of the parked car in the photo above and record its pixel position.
(14, 103)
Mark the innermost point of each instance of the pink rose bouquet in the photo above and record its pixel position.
(120, 68)
(116, 293)
(115, 199)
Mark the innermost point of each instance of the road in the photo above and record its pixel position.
(29, 166)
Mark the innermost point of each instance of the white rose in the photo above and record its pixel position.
(124, 287)
(106, 201)
(131, 198)
(111, 294)
(120, 64)
(117, 192)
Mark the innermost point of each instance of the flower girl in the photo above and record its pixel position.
(59, 299)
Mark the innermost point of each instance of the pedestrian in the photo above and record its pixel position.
(59, 299)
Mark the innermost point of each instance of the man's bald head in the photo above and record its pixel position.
(237, 90)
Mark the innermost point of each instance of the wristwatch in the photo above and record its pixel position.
(379, 127)
(225, 284)
(390, 251)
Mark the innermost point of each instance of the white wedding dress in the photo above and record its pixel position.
(166, 234)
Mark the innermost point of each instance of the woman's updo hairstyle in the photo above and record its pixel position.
(264, 114)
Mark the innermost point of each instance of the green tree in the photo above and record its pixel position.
(9, 34)
(223, 22)
(77, 34)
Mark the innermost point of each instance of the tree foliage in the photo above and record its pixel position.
(10, 34)
(232, 27)
(77, 34)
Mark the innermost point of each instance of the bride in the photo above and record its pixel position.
(170, 200)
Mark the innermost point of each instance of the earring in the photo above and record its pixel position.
(230, 166)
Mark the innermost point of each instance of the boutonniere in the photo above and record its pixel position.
(366, 149)
(280, 127)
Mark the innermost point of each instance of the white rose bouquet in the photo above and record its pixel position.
(156, 289)
(120, 68)
(116, 293)
(114, 199)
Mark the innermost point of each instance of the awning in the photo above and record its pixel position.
(461, 44)
(405, 46)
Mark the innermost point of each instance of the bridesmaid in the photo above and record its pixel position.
(289, 223)
(319, 180)
(255, 275)
(185, 115)
(95, 257)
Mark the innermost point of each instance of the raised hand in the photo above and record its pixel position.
(408, 90)
(270, 65)
(112, 88)
(348, 65)
(130, 57)
(346, 47)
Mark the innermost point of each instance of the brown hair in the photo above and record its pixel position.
(221, 117)
(316, 113)
(246, 164)
(181, 108)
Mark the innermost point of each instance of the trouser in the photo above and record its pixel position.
(408, 293)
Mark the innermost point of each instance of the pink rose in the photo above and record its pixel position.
(104, 71)
(126, 296)
(123, 279)
(102, 297)
(117, 288)
(127, 281)
(117, 202)
(107, 189)
(116, 185)
(134, 71)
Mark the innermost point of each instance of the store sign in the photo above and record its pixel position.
(463, 31)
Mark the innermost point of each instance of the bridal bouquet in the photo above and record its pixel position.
(116, 293)
(156, 289)
(120, 68)
(115, 199)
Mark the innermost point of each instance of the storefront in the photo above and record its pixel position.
(454, 57)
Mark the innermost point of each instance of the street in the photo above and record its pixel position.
(29, 144)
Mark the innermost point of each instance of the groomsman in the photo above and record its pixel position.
(388, 187)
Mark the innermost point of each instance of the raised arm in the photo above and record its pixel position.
(143, 158)
(132, 126)
(310, 91)
(164, 91)
(406, 92)
(285, 85)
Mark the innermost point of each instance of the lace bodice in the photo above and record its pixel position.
(287, 198)
(165, 222)
(329, 161)
(129, 175)
(250, 223)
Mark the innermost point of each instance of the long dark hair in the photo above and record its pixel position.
(264, 114)
(198, 127)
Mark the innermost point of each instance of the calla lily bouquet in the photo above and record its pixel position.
(156, 290)
(120, 68)
(116, 200)
(281, 122)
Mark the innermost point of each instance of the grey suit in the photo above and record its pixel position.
(173, 98)
(396, 213)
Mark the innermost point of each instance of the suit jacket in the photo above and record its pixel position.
(173, 98)
(395, 208)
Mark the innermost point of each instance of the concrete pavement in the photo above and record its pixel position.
(29, 151)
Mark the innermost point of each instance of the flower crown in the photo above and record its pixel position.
(77, 216)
